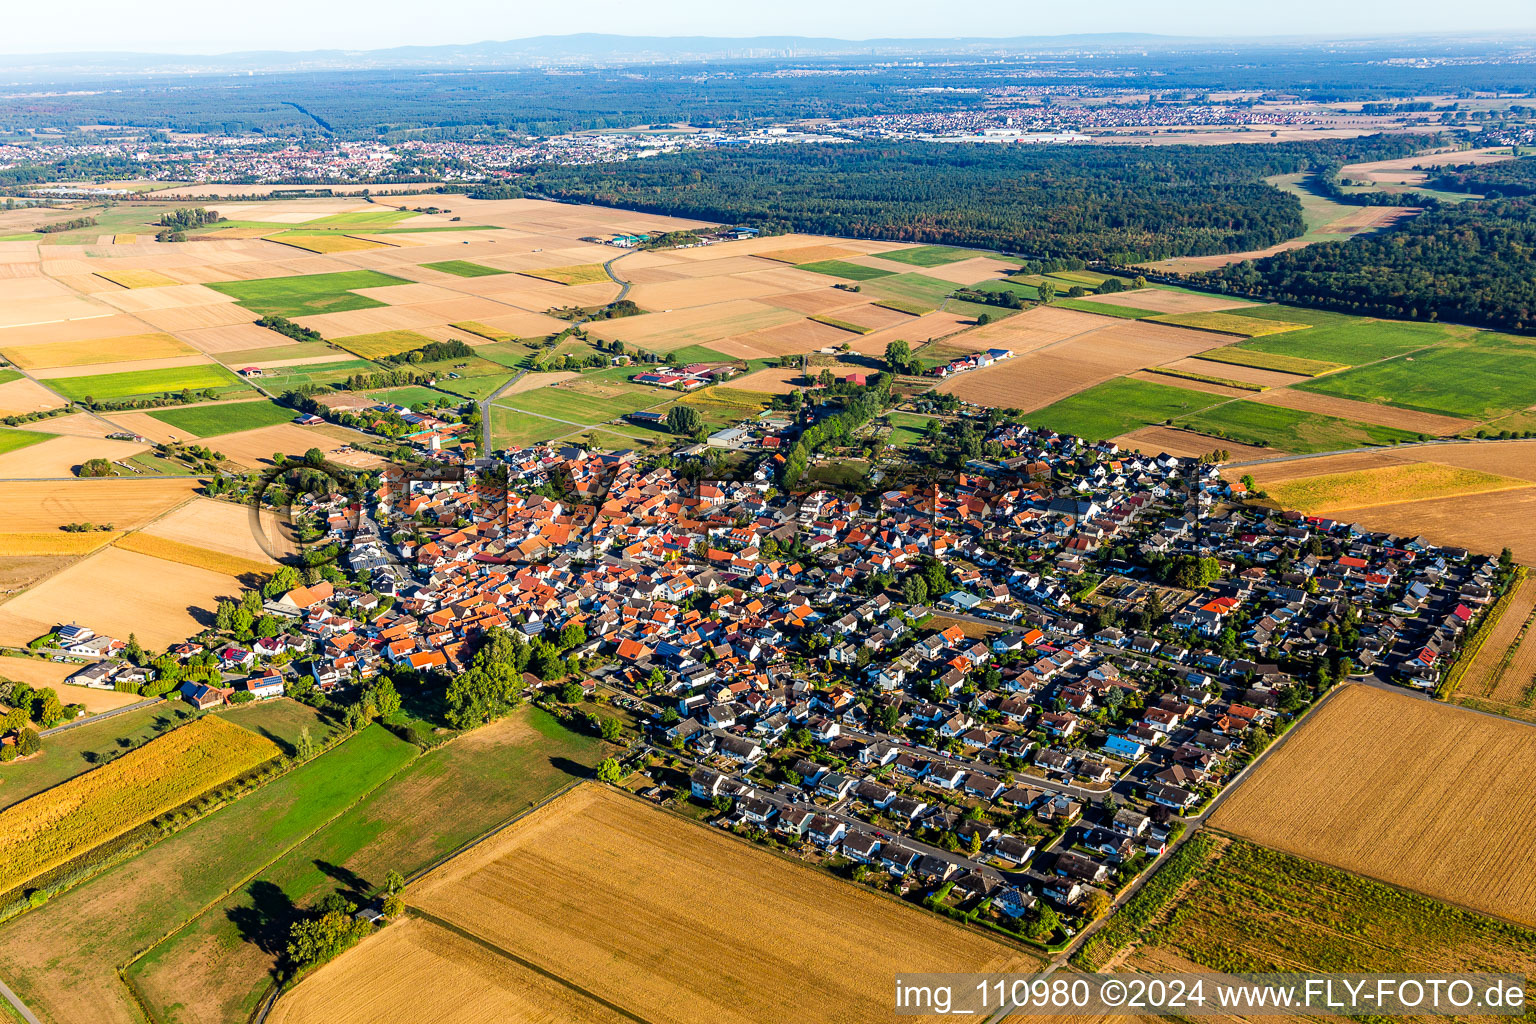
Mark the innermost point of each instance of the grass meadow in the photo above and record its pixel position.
(307, 294)
(228, 418)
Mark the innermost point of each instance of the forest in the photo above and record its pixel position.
(1497, 181)
(1113, 203)
(1468, 263)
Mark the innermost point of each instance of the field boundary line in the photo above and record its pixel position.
(277, 990)
(276, 857)
(491, 947)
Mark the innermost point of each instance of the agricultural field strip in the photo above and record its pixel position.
(278, 855)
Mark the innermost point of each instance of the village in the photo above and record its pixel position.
(1007, 694)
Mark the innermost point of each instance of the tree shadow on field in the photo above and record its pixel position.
(573, 768)
(202, 616)
(287, 748)
(266, 921)
(354, 886)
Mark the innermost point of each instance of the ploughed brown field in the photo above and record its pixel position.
(600, 907)
(1418, 794)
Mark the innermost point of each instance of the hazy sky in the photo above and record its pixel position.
(197, 26)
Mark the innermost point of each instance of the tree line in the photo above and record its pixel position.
(1112, 203)
(1469, 263)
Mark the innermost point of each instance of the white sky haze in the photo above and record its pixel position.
(196, 26)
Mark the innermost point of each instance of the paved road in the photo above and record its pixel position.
(21, 1007)
(485, 406)
(77, 723)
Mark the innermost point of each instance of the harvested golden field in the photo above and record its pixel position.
(589, 890)
(1485, 523)
(23, 396)
(118, 592)
(1429, 423)
(1421, 795)
(105, 324)
(138, 278)
(534, 381)
(775, 380)
(469, 984)
(808, 254)
(1057, 369)
(1368, 218)
(234, 338)
(1511, 458)
(1502, 676)
(1210, 387)
(1384, 485)
(1270, 473)
(581, 273)
(663, 332)
(687, 292)
(194, 555)
(787, 340)
(75, 816)
(1162, 300)
(256, 447)
(53, 543)
(221, 526)
(153, 345)
(191, 318)
(384, 343)
(60, 456)
(1403, 170)
(47, 505)
(1227, 323)
(326, 243)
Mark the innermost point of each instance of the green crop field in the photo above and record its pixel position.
(513, 428)
(378, 217)
(586, 409)
(930, 255)
(13, 440)
(108, 387)
(842, 325)
(434, 805)
(63, 956)
(279, 378)
(6, 376)
(1492, 376)
(1028, 292)
(382, 343)
(907, 428)
(1229, 323)
(478, 387)
(1295, 315)
(307, 294)
(410, 397)
(930, 291)
(1247, 909)
(1118, 407)
(686, 355)
(846, 270)
(1235, 356)
(1288, 430)
(486, 331)
(213, 420)
(463, 268)
(904, 306)
(1352, 343)
(1105, 309)
(511, 354)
